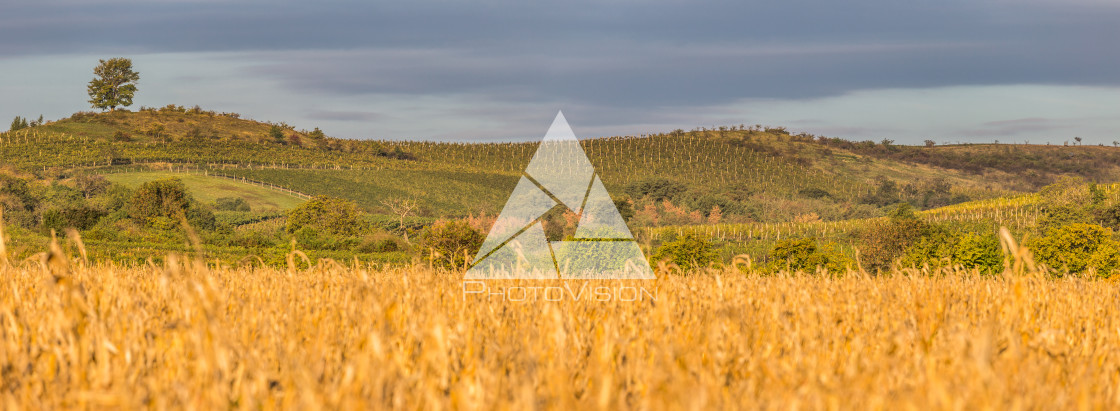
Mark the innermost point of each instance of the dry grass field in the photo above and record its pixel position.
(184, 335)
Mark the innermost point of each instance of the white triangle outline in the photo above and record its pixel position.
(560, 165)
(520, 257)
(611, 220)
(499, 234)
(560, 132)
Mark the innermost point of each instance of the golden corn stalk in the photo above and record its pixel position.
(333, 336)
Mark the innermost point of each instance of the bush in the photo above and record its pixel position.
(1078, 246)
(804, 255)
(19, 123)
(201, 218)
(933, 245)
(276, 134)
(814, 193)
(163, 204)
(981, 252)
(708, 202)
(91, 184)
(1109, 216)
(310, 238)
(160, 198)
(1056, 216)
(328, 215)
(252, 239)
(688, 251)
(884, 243)
(885, 194)
(656, 189)
(379, 243)
(231, 204)
(81, 218)
(450, 243)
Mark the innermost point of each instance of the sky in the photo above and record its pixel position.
(950, 71)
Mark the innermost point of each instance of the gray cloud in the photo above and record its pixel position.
(616, 64)
(333, 115)
(1014, 127)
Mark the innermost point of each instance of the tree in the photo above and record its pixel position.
(930, 143)
(334, 216)
(91, 184)
(1078, 140)
(804, 255)
(690, 250)
(317, 135)
(1078, 246)
(401, 207)
(232, 204)
(19, 123)
(165, 203)
(115, 84)
(451, 243)
(276, 134)
(884, 242)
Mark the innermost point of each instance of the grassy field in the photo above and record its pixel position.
(181, 335)
(209, 188)
(735, 163)
(441, 192)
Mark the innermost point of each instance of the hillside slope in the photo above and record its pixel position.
(754, 174)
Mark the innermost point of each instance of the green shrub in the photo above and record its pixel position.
(200, 217)
(276, 134)
(814, 192)
(19, 123)
(1055, 216)
(81, 218)
(231, 204)
(163, 204)
(804, 255)
(1108, 216)
(1078, 246)
(933, 246)
(328, 215)
(656, 189)
(253, 239)
(981, 252)
(91, 184)
(884, 243)
(161, 198)
(688, 251)
(383, 243)
(886, 193)
(450, 243)
(309, 238)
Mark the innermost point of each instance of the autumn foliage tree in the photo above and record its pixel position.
(115, 84)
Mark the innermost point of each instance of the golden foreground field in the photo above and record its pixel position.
(181, 335)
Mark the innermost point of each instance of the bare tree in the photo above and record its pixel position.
(401, 207)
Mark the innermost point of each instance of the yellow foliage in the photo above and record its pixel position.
(184, 335)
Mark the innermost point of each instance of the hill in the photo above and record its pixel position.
(732, 168)
(210, 188)
(734, 184)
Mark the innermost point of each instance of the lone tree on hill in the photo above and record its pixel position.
(114, 85)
